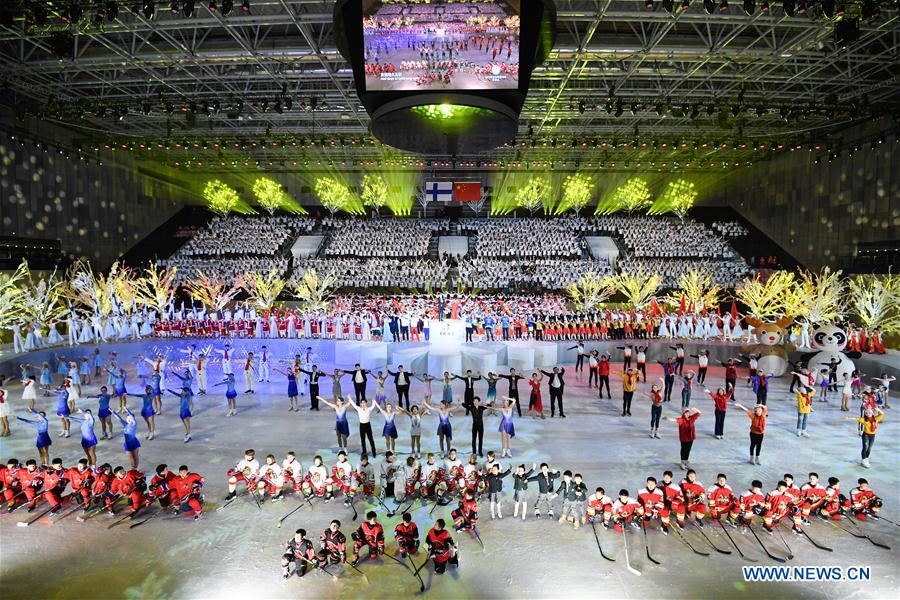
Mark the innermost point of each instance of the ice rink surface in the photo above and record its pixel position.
(235, 553)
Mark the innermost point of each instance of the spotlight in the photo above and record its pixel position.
(668, 6)
(723, 6)
(227, 5)
(709, 6)
(789, 7)
(188, 8)
(749, 7)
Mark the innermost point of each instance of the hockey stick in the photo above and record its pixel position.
(628, 562)
(716, 548)
(880, 518)
(790, 552)
(861, 535)
(35, 519)
(478, 537)
(647, 544)
(599, 547)
(66, 514)
(812, 541)
(131, 515)
(398, 561)
(145, 519)
(282, 519)
(689, 545)
(9, 508)
(255, 499)
(416, 573)
(397, 510)
(422, 566)
(353, 507)
(733, 543)
(97, 511)
(355, 568)
(226, 503)
(763, 546)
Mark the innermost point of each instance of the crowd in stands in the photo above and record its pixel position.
(226, 236)
(662, 237)
(544, 273)
(226, 268)
(725, 273)
(382, 237)
(524, 238)
(379, 272)
(730, 229)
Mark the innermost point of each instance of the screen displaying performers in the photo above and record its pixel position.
(421, 45)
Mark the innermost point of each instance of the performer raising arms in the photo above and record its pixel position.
(341, 426)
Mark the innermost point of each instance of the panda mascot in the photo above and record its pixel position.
(830, 341)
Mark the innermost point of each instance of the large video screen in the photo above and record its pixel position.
(421, 45)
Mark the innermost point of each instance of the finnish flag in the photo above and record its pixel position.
(439, 191)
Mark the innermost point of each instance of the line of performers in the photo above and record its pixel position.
(98, 488)
(467, 484)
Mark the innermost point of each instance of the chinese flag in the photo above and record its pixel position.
(467, 191)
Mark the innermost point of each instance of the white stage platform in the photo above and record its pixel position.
(306, 246)
(455, 245)
(603, 247)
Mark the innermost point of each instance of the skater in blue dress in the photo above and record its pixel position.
(88, 438)
(445, 428)
(103, 412)
(147, 409)
(292, 391)
(507, 429)
(62, 409)
(129, 431)
(389, 431)
(186, 410)
(84, 370)
(118, 385)
(447, 394)
(46, 378)
(156, 383)
(230, 394)
(42, 441)
(492, 387)
(341, 425)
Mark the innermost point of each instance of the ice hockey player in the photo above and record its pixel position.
(465, 516)
(317, 481)
(441, 547)
(625, 510)
(365, 476)
(245, 470)
(674, 497)
(751, 503)
(271, 481)
(407, 535)
(342, 477)
(813, 496)
(721, 497)
(55, 484)
(332, 545)
(130, 484)
(653, 501)
(162, 486)
(599, 507)
(835, 502)
(864, 502)
(779, 504)
(694, 499)
(299, 554)
(371, 534)
(187, 489)
(292, 471)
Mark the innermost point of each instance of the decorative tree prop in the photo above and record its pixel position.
(817, 297)
(374, 190)
(213, 292)
(576, 192)
(156, 287)
(268, 193)
(639, 287)
(590, 290)
(220, 197)
(875, 301)
(12, 310)
(678, 197)
(95, 292)
(43, 299)
(314, 290)
(698, 290)
(764, 298)
(533, 194)
(263, 289)
(633, 196)
(333, 194)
